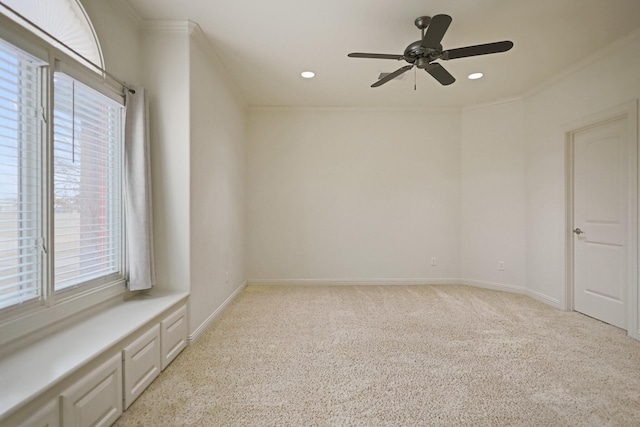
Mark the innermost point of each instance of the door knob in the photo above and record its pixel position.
(578, 231)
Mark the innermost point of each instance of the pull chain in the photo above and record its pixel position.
(415, 77)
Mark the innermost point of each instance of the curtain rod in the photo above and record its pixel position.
(96, 66)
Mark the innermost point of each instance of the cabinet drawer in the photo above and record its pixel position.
(173, 335)
(141, 364)
(47, 416)
(95, 400)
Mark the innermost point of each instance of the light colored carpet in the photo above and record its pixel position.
(397, 356)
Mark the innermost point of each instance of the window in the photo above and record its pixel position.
(61, 213)
(86, 184)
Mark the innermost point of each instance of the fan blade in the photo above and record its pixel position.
(435, 31)
(440, 74)
(375, 56)
(392, 76)
(480, 49)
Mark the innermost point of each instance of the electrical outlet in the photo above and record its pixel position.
(433, 261)
(501, 265)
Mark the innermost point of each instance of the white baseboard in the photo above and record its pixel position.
(514, 289)
(348, 282)
(209, 320)
(492, 285)
(432, 281)
(544, 298)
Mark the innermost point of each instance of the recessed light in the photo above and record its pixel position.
(475, 76)
(308, 74)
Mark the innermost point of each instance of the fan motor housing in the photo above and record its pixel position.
(415, 53)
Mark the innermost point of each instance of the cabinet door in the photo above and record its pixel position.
(47, 416)
(141, 361)
(173, 330)
(95, 400)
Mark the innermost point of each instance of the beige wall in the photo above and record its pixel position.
(492, 216)
(352, 194)
(166, 76)
(217, 184)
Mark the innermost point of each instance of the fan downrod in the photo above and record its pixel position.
(422, 22)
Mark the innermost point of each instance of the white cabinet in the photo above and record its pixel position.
(95, 400)
(88, 373)
(47, 416)
(173, 335)
(141, 363)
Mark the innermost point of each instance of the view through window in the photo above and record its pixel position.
(87, 196)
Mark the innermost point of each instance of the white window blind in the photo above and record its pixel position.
(20, 176)
(87, 162)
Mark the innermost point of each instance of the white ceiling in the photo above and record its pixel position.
(266, 44)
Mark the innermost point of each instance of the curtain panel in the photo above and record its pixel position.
(138, 207)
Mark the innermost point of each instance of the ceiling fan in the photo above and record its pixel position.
(423, 52)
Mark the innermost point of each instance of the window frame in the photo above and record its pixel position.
(28, 321)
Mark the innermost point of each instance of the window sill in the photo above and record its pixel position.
(40, 321)
(32, 370)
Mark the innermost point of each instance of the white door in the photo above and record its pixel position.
(601, 221)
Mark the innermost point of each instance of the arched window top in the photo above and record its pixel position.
(65, 20)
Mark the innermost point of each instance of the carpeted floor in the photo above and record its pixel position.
(397, 356)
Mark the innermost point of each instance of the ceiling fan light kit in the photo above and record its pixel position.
(424, 52)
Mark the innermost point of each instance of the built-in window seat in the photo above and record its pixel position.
(88, 373)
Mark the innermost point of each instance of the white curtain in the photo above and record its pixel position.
(138, 208)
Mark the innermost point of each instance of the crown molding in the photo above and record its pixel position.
(198, 36)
